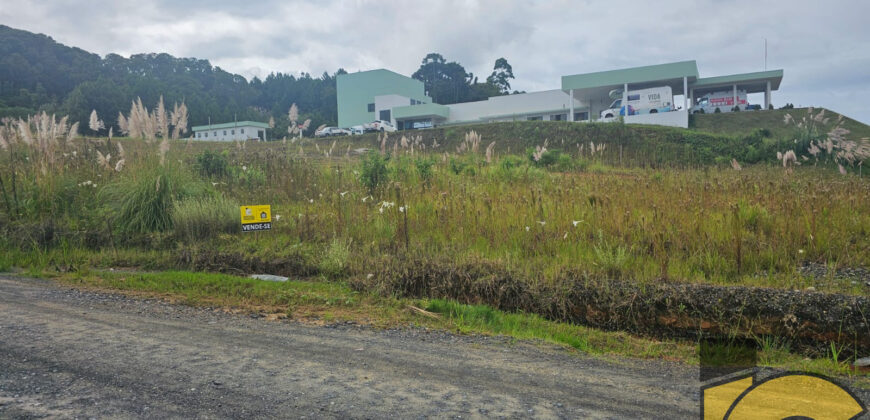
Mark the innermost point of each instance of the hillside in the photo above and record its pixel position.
(743, 123)
(37, 73)
(624, 145)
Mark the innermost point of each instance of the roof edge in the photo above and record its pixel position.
(230, 125)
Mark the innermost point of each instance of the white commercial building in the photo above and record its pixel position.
(241, 131)
(582, 97)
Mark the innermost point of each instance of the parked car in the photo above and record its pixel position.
(724, 100)
(380, 125)
(357, 130)
(644, 101)
(331, 131)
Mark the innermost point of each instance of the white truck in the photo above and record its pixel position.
(724, 100)
(643, 101)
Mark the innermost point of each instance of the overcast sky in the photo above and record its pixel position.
(823, 46)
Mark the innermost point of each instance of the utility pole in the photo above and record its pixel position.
(765, 54)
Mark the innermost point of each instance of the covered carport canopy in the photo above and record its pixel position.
(590, 86)
(757, 82)
(435, 113)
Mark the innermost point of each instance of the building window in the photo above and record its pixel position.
(225, 132)
(371, 108)
(385, 115)
(535, 118)
(199, 135)
(233, 132)
(214, 134)
(243, 131)
(581, 116)
(206, 134)
(558, 117)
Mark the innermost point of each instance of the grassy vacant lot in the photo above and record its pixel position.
(639, 229)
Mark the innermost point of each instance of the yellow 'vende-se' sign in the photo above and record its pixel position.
(256, 218)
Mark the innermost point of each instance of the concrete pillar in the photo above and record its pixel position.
(734, 89)
(767, 96)
(692, 97)
(625, 97)
(571, 115)
(685, 93)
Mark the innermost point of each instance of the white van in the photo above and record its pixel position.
(643, 101)
(724, 100)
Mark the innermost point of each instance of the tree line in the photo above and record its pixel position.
(39, 74)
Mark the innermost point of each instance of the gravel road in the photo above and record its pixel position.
(74, 354)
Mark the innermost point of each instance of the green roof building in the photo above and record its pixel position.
(357, 93)
(384, 95)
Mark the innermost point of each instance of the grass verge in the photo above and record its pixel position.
(325, 302)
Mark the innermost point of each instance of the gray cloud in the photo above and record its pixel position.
(822, 46)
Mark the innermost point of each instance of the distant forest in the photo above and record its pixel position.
(39, 74)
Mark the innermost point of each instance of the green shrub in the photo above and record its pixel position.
(514, 168)
(510, 162)
(335, 259)
(203, 218)
(247, 176)
(424, 169)
(457, 166)
(548, 158)
(142, 202)
(212, 165)
(564, 163)
(613, 259)
(753, 217)
(374, 173)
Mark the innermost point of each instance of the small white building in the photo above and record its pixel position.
(240, 130)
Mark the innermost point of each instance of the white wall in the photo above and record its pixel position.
(674, 119)
(519, 107)
(388, 102)
(250, 132)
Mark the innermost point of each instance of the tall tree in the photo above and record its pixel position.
(502, 72)
(446, 82)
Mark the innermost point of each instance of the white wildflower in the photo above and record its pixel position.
(385, 205)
